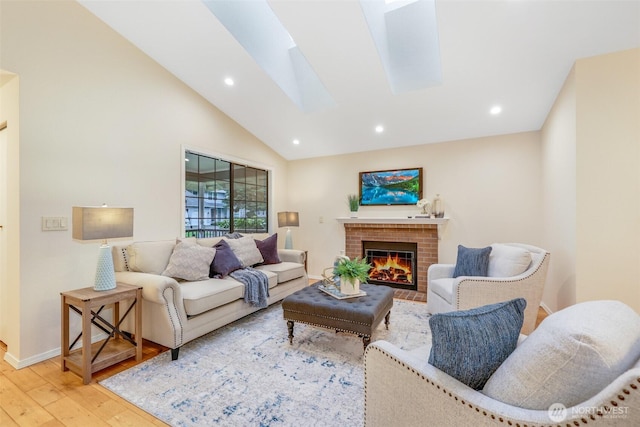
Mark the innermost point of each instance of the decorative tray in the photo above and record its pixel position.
(334, 292)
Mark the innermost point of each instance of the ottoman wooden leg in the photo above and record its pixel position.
(386, 319)
(290, 327)
(366, 340)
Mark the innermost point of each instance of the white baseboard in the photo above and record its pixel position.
(56, 352)
(546, 308)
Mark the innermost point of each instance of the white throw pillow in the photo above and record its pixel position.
(574, 354)
(508, 261)
(190, 261)
(245, 250)
(150, 257)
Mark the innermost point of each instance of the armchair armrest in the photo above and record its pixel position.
(402, 389)
(440, 271)
(292, 255)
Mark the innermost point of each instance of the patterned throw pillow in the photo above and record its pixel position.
(269, 249)
(472, 262)
(470, 345)
(189, 262)
(225, 260)
(246, 250)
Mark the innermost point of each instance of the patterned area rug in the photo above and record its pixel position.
(247, 373)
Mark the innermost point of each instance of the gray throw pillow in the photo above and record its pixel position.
(189, 262)
(470, 345)
(472, 261)
(246, 250)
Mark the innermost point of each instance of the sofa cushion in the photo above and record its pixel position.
(225, 260)
(472, 261)
(150, 257)
(508, 261)
(570, 357)
(470, 345)
(443, 288)
(205, 295)
(269, 249)
(246, 250)
(190, 261)
(285, 270)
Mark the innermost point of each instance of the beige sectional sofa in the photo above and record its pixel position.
(178, 311)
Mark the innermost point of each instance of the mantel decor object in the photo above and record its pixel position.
(354, 204)
(102, 223)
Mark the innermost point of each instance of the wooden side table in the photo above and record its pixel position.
(118, 346)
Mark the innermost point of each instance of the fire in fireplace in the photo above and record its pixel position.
(393, 263)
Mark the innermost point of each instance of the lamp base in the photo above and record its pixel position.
(288, 243)
(105, 274)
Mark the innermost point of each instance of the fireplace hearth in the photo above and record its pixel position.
(393, 263)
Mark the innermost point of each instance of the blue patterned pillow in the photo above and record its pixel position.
(472, 262)
(470, 345)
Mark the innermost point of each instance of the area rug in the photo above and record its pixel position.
(247, 373)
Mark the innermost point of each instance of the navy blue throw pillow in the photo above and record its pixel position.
(472, 261)
(225, 261)
(470, 345)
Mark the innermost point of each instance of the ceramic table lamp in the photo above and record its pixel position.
(288, 219)
(102, 223)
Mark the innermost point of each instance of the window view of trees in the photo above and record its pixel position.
(224, 197)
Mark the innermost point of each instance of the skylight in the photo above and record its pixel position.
(406, 36)
(262, 35)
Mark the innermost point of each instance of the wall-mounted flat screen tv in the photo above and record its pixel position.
(391, 187)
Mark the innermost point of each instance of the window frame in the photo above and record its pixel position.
(233, 163)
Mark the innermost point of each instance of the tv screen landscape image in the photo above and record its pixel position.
(391, 187)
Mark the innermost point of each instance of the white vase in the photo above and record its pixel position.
(349, 286)
(354, 214)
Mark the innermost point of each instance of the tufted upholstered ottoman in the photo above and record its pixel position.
(358, 315)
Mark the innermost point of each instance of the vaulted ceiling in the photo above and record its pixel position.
(514, 54)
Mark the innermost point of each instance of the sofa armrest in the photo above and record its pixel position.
(153, 285)
(292, 255)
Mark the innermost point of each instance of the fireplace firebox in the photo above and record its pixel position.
(393, 263)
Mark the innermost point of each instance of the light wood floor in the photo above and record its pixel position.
(43, 395)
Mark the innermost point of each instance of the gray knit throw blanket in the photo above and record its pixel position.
(256, 285)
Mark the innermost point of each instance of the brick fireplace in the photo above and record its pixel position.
(424, 235)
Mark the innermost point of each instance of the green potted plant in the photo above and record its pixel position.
(354, 204)
(352, 272)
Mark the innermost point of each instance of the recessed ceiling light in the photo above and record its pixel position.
(296, 141)
(495, 110)
(229, 81)
(379, 129)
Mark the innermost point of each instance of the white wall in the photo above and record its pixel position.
(559, 197)
(591, 183)
(491, 189)
(608, 177)
(9, 206)
(99, 122)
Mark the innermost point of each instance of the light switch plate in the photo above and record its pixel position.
(54, 223)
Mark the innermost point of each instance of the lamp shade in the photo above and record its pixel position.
(93, 223)
(288, 219)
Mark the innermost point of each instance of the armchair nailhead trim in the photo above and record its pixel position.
(493, 417)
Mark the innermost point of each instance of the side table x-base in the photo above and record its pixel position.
(118, 345)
